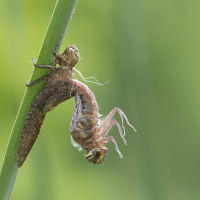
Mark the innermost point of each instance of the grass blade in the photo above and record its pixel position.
(58, 25)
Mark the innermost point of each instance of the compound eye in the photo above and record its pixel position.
(93, 155)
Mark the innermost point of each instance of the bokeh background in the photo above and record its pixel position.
(151, 50)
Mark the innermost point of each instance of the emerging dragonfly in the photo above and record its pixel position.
(85, 125)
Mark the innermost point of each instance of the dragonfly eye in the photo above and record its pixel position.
(97, 156)
(93, 155)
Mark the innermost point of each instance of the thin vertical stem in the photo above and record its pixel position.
(58, 25)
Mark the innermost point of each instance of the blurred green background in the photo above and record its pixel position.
(150, 49)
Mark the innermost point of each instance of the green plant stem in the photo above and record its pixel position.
(58, 25)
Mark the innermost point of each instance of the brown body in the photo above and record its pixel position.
(85, 125)
(55, 91)
(86, 114)
(46, 101)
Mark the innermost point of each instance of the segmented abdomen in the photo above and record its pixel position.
(45, 101)
(86, 114)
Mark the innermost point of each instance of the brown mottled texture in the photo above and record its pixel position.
(55, 91)
(47, 99)
(84, 126)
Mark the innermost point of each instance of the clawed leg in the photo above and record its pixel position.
(43, 78)
(36, 81)
(42, 66)
(54, 50)
(107, 124)
(103, 141)
(110, 116)
(108, 127)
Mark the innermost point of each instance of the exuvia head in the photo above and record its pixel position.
(69, 57)
(96, 155)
